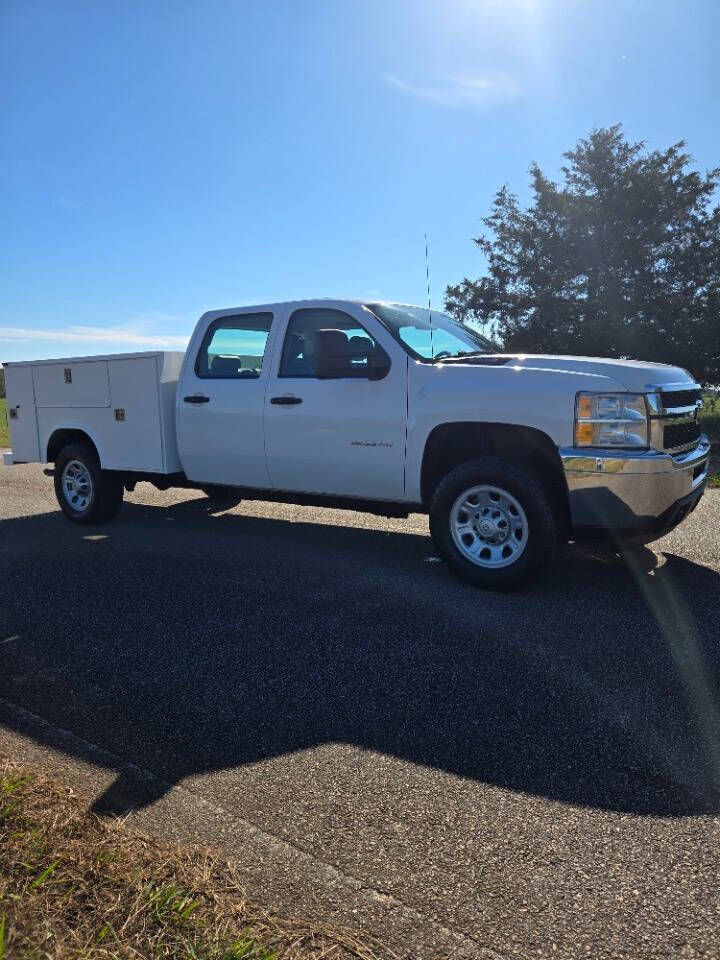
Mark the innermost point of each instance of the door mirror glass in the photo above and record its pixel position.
(378, 364)
(332, 354)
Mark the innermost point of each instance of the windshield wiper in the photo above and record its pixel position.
(472, 356)
(457, 356)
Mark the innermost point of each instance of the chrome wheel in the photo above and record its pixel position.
(489, 527)
(77, 485)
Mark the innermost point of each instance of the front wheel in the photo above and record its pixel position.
(492, 522)
(86, 493)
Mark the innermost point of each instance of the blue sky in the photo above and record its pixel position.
(163, 158)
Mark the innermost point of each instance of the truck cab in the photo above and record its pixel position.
(395, 408)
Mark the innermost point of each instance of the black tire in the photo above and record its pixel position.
(524, 485)
(225, 497)
(105, 488)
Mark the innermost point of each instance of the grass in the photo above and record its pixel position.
(4, 432)
(711, 417)
(75, 886)
(711, 426)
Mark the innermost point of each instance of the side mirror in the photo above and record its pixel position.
(378, 364)
(332, 354)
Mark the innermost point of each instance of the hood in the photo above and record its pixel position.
(634, 375)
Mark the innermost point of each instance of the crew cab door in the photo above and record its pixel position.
(343, 436)
(221, 397)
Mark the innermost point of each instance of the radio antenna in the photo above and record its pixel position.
(427, 278)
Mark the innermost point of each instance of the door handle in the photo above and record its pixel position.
(286, 401)
(196, 398)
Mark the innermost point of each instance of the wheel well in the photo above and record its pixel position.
(61, 438)
(451, 444)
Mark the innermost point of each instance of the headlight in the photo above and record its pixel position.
(611, 420)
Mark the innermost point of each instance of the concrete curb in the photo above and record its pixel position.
(276, 874)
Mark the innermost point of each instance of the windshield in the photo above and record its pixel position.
(425, 340)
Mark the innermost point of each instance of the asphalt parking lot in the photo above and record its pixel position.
(379, 744)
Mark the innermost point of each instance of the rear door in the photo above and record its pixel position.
(343, 436)
(221, 399)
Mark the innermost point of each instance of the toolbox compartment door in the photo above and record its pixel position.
(72, 383)
(134, 435)
(22, 415)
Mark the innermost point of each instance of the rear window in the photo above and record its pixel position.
(233, 347)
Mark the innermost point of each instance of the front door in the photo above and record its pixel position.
(343, 436)
(221, 400)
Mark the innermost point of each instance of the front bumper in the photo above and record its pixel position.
(625, 495)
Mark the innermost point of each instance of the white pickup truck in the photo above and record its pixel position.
(381, 407)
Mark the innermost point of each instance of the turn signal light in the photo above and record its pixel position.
(584, 433)
(584, 407)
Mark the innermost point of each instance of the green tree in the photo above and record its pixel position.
(621, 260)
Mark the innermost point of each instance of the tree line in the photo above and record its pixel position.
(621, 258)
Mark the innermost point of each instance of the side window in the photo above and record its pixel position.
(233, 347)
(298, 356)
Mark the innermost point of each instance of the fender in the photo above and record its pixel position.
(71, 426)
(503, 396)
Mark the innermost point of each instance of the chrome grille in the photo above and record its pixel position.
(681, 435)
(674, 410)
(680, 398)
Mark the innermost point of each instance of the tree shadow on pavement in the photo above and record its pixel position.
(187, 643)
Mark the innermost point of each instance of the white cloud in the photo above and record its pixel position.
(460, 93)
(92, 335)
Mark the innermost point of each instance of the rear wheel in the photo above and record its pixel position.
(86, 493)
(492, 522)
